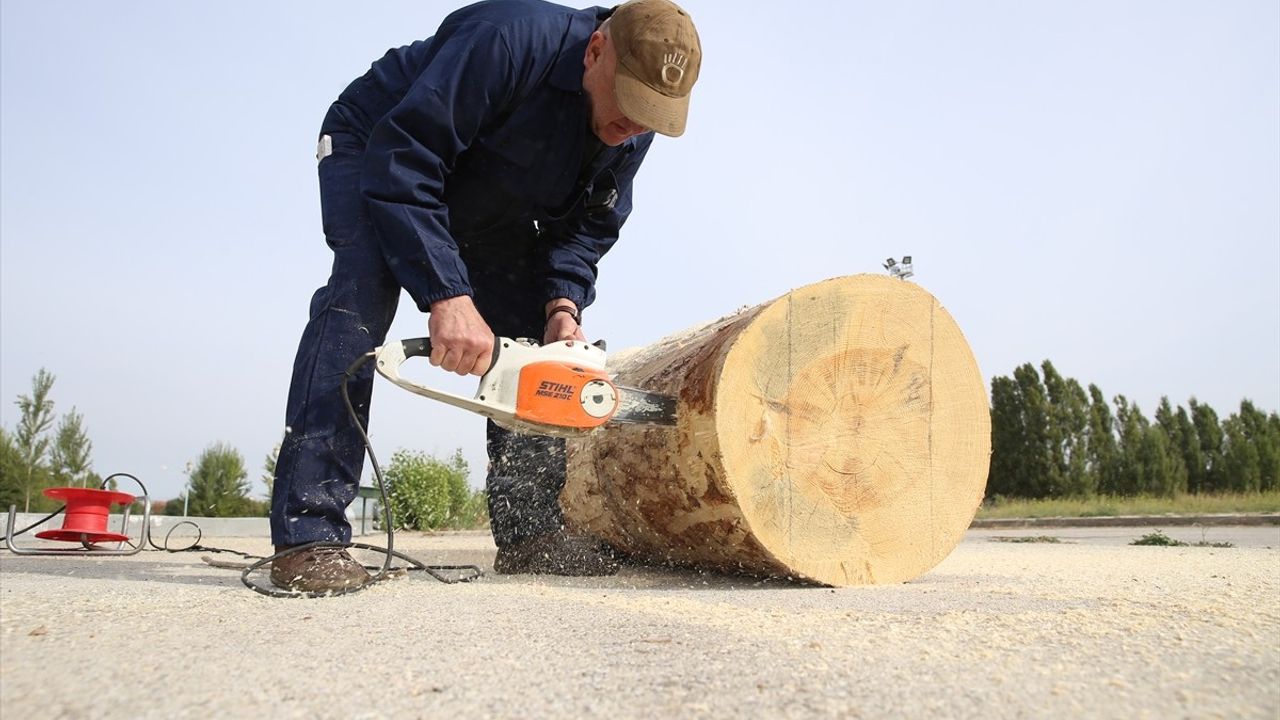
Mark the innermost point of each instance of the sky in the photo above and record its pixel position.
(1092, 182)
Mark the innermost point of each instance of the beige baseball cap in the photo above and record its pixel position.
(659, 55)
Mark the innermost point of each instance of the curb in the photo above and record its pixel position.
(1131, 521)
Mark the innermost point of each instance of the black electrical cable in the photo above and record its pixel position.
(467, 573)
(196, 546)
(41, 521)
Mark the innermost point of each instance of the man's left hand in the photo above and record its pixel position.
(561, 326)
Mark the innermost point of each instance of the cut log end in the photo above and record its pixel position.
(839, 434)
(837, 410)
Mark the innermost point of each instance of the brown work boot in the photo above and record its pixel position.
(557, 553)
(318, 569)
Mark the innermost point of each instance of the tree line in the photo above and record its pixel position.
(1050, 437)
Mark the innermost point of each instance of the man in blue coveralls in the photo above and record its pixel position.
(484, 170)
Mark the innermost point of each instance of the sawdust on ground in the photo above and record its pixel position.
(997, 630)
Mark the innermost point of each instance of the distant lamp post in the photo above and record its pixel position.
(902, 270)
(186, 496)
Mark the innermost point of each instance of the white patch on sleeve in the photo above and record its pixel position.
(324, 148)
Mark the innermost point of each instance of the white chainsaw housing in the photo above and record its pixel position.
(496, 396)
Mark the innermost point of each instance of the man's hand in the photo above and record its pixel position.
(461, 340)
(561, 325)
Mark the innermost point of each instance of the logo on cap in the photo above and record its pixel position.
(673, 68)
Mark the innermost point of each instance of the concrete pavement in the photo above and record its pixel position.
(1086, 628)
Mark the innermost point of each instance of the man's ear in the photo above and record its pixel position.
(595, 49)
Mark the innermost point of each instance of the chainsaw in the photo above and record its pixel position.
(559, 389)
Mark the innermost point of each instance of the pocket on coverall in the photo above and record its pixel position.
(343, 212)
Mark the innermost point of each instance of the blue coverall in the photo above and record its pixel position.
(460, 165)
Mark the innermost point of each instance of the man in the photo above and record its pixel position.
(485, 171)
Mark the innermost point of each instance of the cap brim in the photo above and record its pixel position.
(648, 107)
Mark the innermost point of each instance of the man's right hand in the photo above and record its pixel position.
(461, 340)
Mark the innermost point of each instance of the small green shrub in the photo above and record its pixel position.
(1158, 538)
(427, 493)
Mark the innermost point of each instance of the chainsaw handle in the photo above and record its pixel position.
(421, 347)
(417, 347)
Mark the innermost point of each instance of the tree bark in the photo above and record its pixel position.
(839, 434)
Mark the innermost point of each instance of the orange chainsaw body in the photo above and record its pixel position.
(565, 395)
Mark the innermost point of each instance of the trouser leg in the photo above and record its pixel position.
(320, 460)
(526, 472)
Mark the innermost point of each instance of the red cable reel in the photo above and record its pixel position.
(86, 515)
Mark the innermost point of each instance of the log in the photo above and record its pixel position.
(839, 435)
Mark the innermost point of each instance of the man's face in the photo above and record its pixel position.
(607, 121)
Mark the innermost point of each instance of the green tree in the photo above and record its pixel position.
(1241, 467)
(427, 493)
(1189, 446)
(69, 455)
(10, 471)
(1040, 477)
(1174, 480)
(1081, 481)
(269, 470)
(1007, 438)
(1157, 472)
(1259, 432)
(1271, 460)
(1068, 432)
(218, 485)
(1133, 459)
(32, 439)
(1102, 451)
(1209, 431)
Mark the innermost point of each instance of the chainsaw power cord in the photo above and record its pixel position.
(464, 573)
(448, 574)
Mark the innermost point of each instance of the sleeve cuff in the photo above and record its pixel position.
(424, 301)
(569, 291)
